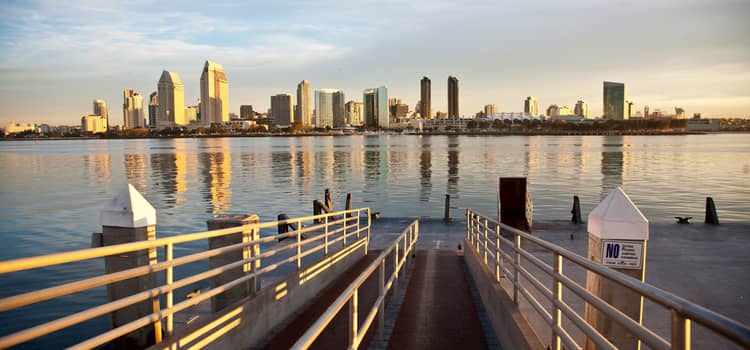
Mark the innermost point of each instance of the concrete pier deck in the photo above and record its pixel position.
(706, 264)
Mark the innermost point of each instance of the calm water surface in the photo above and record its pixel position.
(51, 191)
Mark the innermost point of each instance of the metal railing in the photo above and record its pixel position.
(335, 227)
(400, 248)
(484, 235)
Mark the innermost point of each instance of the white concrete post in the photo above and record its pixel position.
(618, 233)
(127, 218)
(243, 290)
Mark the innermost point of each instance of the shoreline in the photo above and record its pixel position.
(530, 133)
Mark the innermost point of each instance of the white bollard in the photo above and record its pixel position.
(618, 233)
(128, 218)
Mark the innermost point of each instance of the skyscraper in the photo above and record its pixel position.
(453, 97)
(329, 108)
(171, 95)
(304, 105)
(425, 88)
(490, 109)
(531, 105)
(100, 109)
(375, 103)
(354, 112)
(153, 109)
(614, 107)
(246, 112)
(214, 94)
(132, 109)
(339, 110)
(281, 108)
(581, 109)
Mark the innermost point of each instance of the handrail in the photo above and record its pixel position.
(401, 247)
(342, 225)
(683, 311)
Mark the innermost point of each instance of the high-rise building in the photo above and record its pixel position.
(339, 110)
(191, 114)
(354, 112)
(375, 103)
(453, 97)
(614, 107)
(281, 109)
(246, 112)
(171, 93)
(132, 109)
(630, 109)
(100, 109)
(329, 108)
(555, 110)
(304, 103)
(94, 124)
(214, 94)
(581, 109)
(490, 109)
(153, 109)
(531, 105)
(425, 104)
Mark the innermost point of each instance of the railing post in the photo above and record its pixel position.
(299, 246)
(256, 265)
(353, 320)
(516, 266)
(345, 232)
(557, 298)
(168, 279)
(680, 332)
(381, 307)
(497, 252)
(369, 224)
(325, 238)
(468, 225)
(486, 234)
(395, 269)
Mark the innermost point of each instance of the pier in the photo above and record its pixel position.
(346, 280)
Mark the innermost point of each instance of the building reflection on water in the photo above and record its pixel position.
(614, 160)
(452, 164)
(425, 169)
(135, 170)
(217, 175)
(97, 168)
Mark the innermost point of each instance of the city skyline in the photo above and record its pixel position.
(701, 68)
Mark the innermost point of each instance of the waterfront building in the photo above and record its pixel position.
(100, 109)
(630, 108)
(191, 114)
(214, 94)
(512, 116)
(531, 105)
(281, 109)
(246, 112)
(93, 124)
(171, 96)
(354, 112)
(490, 109)
(304, 105)
(453, 97)
(614, 107)
(329, 108)
(581, 109)
(425, 103)
(679, 113)
(14, 127)
(376, 107)
(132, 110)
(153, 105)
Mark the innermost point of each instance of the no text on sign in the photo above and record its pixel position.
(622, 254)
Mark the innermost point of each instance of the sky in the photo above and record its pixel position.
(58, 56)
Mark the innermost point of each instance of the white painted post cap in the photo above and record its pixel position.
(617, 217)
(128, 209)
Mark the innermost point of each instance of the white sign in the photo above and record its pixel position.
(622, 254)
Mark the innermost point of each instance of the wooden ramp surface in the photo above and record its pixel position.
(437, 311)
